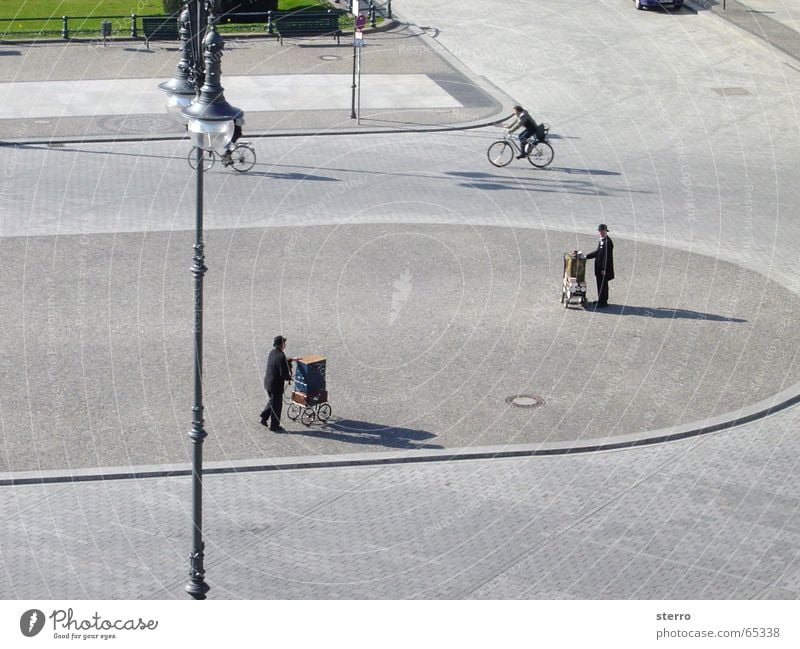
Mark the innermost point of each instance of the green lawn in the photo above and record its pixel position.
(43, 8)
(58, 8)
(12, 24)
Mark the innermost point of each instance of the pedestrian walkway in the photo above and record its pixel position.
(759, 12)
(776, 22)
(80, 91)
(256, 93)
(697, 519)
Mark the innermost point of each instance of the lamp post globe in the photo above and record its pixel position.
(211, 117)
(211, 135)
(177, 102)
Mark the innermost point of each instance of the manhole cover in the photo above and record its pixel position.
(330, 57)
(525, 401)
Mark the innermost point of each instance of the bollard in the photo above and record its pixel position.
(64, 28)
(269, 22)
(133, 26)
(389, 10)
(105, 31)
(372, 22)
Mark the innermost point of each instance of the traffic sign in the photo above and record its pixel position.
(360, 22)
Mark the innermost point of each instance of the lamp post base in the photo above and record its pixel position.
(197, 588)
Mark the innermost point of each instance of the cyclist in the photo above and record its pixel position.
(237, 133)
(522, 119)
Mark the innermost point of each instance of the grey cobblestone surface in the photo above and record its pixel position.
(645, 523)
(774, 21)
(403, 50)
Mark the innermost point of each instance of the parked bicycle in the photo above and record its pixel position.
(242, 157)
(538, 151)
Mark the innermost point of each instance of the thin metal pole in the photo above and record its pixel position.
(353, 98)
(197, 586)
(358, 112)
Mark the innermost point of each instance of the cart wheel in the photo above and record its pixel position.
(324, 411)
(307, 417)
(569, 297)
(293, 411)
(583, 301)
(563, 292)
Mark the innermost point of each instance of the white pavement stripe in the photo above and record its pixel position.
(35, 99)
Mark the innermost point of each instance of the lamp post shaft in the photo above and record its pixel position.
(353, 87)
(211, 121)
(197, 586)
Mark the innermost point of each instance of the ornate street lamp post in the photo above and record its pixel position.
(196, 95)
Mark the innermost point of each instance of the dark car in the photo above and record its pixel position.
(644, 4)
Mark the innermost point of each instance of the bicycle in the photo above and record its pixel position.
(242, 157)
(539, 152)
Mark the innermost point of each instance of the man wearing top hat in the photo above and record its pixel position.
(278, 372)
(603, 265)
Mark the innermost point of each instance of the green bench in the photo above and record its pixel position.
(159, 29)
(302, 24)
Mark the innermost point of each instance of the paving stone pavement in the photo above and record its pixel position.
(305, 87)
(698, 519)
(387, 393)
(775, 21)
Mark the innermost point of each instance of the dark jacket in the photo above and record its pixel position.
(603, 257)
(277, 371)
(527, 121)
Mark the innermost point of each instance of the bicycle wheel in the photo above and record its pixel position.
(500, 153)
(208, 159)
(541, 154)
(243, 157)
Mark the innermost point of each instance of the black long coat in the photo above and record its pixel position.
(603, 258)
(277, 371)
